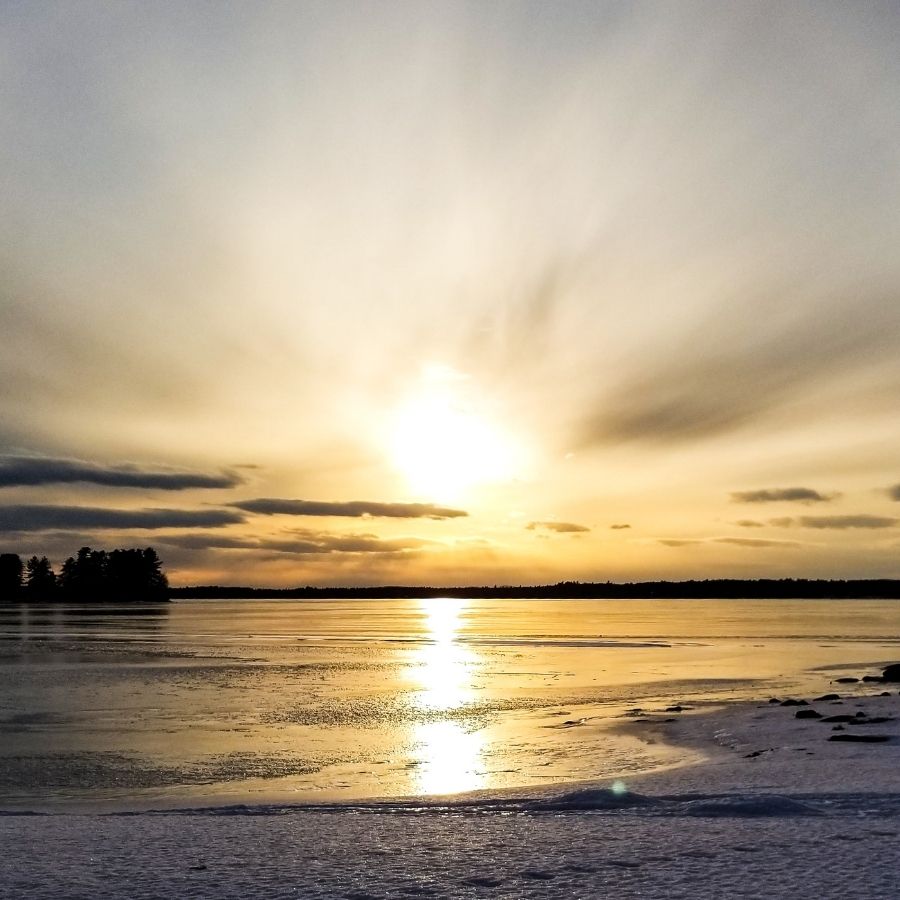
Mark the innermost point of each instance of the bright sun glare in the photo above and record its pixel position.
(444, 442)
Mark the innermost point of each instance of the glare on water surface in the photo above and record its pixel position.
(449, 755)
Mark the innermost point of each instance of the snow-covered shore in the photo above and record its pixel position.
(777, 809)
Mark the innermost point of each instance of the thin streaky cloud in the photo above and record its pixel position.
(311, 543)
(842, 522)
(782, 495)
(756, 543)
(558, 527)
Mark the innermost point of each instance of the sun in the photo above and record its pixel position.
(444, 441)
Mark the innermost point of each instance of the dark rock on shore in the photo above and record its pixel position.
(826, 697)
(792, 702)
(807, 714)
(861, 738)
(848, 680)
(891, 673)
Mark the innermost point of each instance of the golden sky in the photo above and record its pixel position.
(339, 293)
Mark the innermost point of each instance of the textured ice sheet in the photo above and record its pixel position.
(776, 811)
(364, 855)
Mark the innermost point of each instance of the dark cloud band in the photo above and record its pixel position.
(30, 471)
(351, 508)
(89, 518)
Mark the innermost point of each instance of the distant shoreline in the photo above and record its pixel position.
(719, 589)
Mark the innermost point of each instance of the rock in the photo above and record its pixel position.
(677, 708)
(774, 700)
(877, 720)
(885, 694)
(849, 680)
(807, 714)
(826, 697)
(792, 702)
(861, 738)
(837, 727)
(870, 678)
(891, 673)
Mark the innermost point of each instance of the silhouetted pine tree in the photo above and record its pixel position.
(10, 577)
(40, 580)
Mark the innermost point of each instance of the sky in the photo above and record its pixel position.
(453, 293)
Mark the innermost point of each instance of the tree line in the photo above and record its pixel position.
(95, 576)
(714, 589)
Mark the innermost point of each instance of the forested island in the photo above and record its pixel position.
(92, 576)
(714, 588)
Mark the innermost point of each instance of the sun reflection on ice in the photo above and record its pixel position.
(450, 756)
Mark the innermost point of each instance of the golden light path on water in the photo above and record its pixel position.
(450, 756)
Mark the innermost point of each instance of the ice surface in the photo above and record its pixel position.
(808, 819)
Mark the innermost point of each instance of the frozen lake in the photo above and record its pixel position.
(198, 703)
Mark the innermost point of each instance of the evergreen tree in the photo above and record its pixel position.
(84, 577)
(10, 576)
(40, 580)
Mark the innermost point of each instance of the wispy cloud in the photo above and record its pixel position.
(894, 492)
(750, 523)
(90, 518)
(28, 471)
(695, 387)
(559, 527)
(619, 527)
(352, 508)
(782, 495)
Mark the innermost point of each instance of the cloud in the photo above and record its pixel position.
(307, 542)
(894, 492)
(22, 471)
(750, 523)
(89, 518)
(559, 527)
(841, 522)
(697, 384)
(754, 542)
(782, 495)
(352, 509)
(836, 522)
(619, 527)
